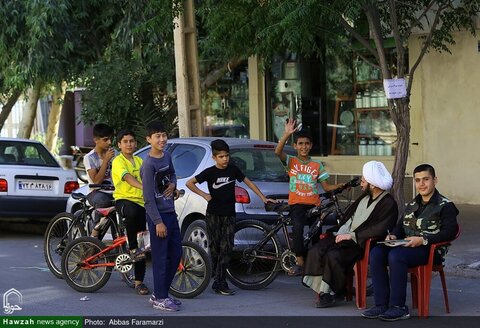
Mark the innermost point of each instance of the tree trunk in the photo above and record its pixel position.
(401, 117)
(7, 108)
(54, 116)
(30, 111)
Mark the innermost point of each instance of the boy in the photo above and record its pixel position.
(98, 164)
(128, 197)
(304, 173)
(159, 181)
(220, 214)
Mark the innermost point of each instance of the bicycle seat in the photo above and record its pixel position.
(79, 196)
(105, 210)
(277, 207)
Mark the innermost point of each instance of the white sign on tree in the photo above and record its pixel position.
(395, 88)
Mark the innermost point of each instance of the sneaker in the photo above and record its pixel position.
(296, 270)
(326, 300)
(174, 300)
(395, 313)
(374, 312)
(164, 304)
(223, 289)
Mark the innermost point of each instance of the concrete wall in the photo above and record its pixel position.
(445, 116)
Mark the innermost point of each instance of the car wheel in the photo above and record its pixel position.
(197, 233)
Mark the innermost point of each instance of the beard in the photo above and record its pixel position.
(369, 190)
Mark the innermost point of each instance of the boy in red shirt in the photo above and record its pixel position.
(304, 173)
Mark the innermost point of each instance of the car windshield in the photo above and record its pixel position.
(259, 164)
(25, 153)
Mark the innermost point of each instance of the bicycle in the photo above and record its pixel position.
(66, 227)
(62, 229)
(258, 255)
(87, 263)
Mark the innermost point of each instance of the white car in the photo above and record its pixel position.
(32, 182)
(190, 156)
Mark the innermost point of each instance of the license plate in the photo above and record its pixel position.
(35, 185)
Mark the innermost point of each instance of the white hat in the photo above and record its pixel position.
(377, 175)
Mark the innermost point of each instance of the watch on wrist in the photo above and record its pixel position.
(425, 241)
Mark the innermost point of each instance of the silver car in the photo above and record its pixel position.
(190, 156)
(33, 185)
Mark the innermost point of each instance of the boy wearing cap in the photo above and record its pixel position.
(371, 215)
(429, 218)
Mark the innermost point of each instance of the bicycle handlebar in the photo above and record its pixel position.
(317, 210)
(355, 182)
(101, 186)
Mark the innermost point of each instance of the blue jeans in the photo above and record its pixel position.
(166, 254)
(392, 291)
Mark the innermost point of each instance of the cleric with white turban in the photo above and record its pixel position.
(370, 216)
(377, 175)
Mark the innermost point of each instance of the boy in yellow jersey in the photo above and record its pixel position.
(304, 174)
(129, 201)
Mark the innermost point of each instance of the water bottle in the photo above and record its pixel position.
(362, 148)
(372, 144)
(366, 99)
(358, 100)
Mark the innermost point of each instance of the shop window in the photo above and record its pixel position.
(225, 103)
(295, 88)
(359, 121)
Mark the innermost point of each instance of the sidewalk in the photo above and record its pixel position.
(463, 258)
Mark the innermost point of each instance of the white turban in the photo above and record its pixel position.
(377, 175)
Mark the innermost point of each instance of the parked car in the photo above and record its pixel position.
(190, 156)
(32, 182)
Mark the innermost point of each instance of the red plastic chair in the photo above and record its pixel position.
(360, 274)
(421, 278)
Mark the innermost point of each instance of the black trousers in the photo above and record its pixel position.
(221, 231)
(333, 261)
(135, 222)
(297, 214)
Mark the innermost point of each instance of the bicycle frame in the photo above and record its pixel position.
(281, 225)
(116, 243)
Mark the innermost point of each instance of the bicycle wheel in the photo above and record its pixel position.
(254, 266)
(79, 277)
(193, 273)
(56, 239)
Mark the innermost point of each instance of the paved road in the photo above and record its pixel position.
(24, 269)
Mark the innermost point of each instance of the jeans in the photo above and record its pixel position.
(392, 291)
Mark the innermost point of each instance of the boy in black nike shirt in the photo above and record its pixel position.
(220, 179)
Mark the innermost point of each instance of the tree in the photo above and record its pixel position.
(45, 44)
(130, 85)
(266, 27)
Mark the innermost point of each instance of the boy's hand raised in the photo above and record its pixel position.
(290, 126)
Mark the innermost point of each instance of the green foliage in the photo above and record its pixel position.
(52, 40)
(126, 94)
(267, 27)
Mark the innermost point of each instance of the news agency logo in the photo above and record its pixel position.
(12, 299)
